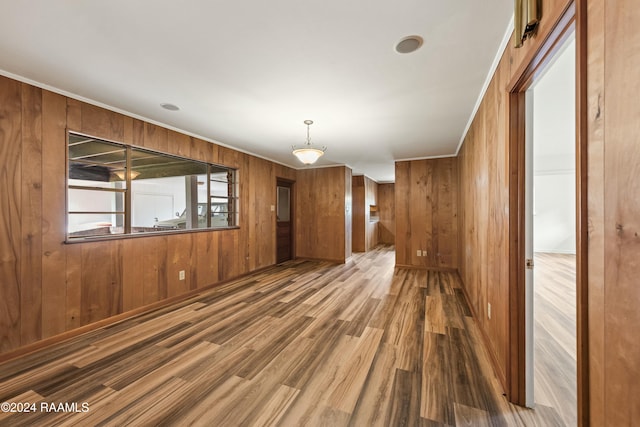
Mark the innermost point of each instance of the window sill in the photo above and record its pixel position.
(103, 238)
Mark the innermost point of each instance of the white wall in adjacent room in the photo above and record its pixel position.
(554, 157)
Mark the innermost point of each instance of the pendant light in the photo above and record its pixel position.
(308, 154)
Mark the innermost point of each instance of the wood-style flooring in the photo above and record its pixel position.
(555, 334)
(304, 343)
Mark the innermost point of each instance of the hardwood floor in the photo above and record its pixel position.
(555, 334)
(303, 343)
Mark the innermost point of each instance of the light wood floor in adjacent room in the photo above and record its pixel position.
(555, 334)
(304, 343)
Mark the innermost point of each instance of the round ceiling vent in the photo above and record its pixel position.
(170, 107)
(409, 44)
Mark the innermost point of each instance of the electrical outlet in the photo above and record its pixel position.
(419, 252)
(273, 208)
(424, 253)
(489, 310)
(181, 275)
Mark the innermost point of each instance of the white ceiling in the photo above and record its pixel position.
(247, 73)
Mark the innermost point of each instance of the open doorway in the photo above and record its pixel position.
(551, 236)
(520, 376)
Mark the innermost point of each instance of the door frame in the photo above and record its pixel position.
(572, 19)
(292, 210)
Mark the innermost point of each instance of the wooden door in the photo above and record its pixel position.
(284, 220)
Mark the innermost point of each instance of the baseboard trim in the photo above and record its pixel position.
(426, 267)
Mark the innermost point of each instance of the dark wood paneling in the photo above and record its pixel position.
(484, 249)
(321, 223)
(371, 227)
(48, 287)
(57, 315)
(358, 214)
(31, 214)
(426, 213)
(387, 212)
(10, 206)
(347, 209)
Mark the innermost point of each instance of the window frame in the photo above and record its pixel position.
(233, 196)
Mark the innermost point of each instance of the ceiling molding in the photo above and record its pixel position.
(444, 156)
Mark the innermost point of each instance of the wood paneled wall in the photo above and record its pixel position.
(613, 138)
(387, 212)
(48, 287)
(613, 146)
(426, 204)
(365, 231)
(323, 213)
(484, 197)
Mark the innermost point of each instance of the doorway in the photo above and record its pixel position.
(551, 237)
(284, 221)
(519, 375)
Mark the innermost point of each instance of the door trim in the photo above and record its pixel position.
(573, 18)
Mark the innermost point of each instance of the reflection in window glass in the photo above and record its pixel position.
(158, 193)
(283, 199)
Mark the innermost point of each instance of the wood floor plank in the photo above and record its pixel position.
(374, 404)
(437, 392)
(301, 343)
(345, 396)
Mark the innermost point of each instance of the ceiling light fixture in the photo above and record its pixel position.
(409, 44)
(308, 154)
(122, 175)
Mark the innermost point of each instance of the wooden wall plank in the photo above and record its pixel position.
(31, 247)
(422, 195)
(596, 206)
(371, 227)
(156, 138)
(178, 144)
(132, 274)
(207, 256)
(179, 257)
(243, 256)
(387, 212)
(261, 221)
(55, 110)
(106, 124)
(150, 267)
(228, 263)
(358, 214)
(622, 211)
(162, 263)
(10, 206)
(73, 295)
(402, 207)
(346, 207)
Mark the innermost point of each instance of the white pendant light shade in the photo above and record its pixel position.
(308, 154)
